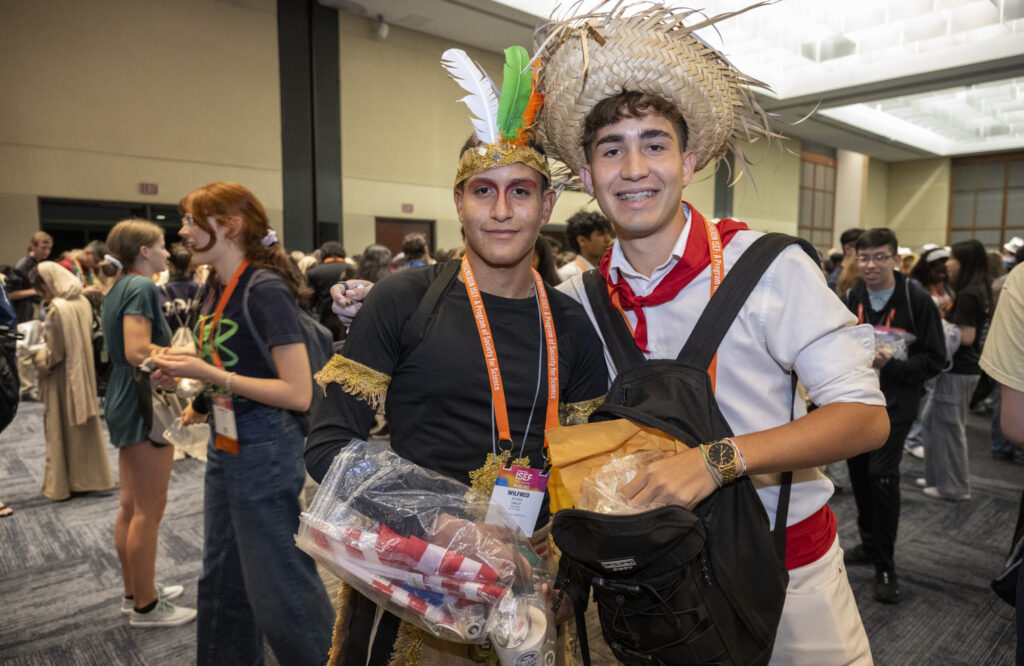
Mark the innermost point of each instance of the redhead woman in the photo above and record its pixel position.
(134, 328)
(76, 456)
(255, 581)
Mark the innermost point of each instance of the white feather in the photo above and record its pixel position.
(482, 99)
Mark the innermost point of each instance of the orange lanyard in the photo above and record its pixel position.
(330, 260)
(580, 264)
(491, 357)
(860, 317)
(717, 272)
(214, 322)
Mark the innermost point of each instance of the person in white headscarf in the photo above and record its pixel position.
(76, 457)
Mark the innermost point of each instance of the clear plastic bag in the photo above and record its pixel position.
(894, 340)
(415, 542)
(601, 491)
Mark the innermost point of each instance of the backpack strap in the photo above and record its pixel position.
(264, 350)
(731, 295)
(416, 326)
(617, 338)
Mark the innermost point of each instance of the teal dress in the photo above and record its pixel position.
(131, 295)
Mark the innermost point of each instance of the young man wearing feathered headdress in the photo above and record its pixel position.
(469, 388)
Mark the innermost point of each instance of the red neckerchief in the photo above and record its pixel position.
(696, 257)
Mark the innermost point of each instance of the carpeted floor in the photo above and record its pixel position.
(60, 584)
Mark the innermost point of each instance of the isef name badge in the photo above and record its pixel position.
(520, 492)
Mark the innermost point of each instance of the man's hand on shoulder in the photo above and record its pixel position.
(681, 479)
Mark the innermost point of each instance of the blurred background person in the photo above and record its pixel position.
(9, 384)
(82, 264)
(331, 270)
(374, 264)
(544, 259)
(848, 241)
(26, 303)
(134, 327)
(76, 456)
(590, 236)
(943, 421)
(930, 273)
(415, 251)
(180, 295)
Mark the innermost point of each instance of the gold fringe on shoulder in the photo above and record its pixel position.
(356, 379)
(575, 413)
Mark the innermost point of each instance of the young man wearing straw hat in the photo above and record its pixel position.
(636, 105)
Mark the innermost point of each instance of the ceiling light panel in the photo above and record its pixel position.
(980, 118)
(807, 47)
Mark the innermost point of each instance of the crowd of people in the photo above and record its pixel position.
(888, 344)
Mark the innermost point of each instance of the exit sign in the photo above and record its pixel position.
(148, 188)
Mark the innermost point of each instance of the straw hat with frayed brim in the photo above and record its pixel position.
(636, 47)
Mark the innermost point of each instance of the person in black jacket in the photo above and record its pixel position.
(885, 298)
(332, 269)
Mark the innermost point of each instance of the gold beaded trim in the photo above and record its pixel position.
(481, 158)
(356, 379)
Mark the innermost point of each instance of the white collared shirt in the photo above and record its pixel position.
(791, 320)
(577, 266)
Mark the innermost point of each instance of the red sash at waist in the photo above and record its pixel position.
(811, 538)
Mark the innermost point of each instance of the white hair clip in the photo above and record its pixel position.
(112, 260)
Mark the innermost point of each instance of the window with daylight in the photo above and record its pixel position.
(817, 199)
(987, 199)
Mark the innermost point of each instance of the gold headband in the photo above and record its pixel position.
(481, 158)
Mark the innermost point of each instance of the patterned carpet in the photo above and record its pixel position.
(60, 585)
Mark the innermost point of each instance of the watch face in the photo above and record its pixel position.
(720, 454)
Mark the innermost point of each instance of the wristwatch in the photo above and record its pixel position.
(722, 455)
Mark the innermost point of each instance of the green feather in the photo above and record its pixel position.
(516, 86)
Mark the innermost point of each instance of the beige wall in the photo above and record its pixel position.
(918, 201)
(769, 200)
(851, 188)
(102, 95)
(876, 196)
(402, 126)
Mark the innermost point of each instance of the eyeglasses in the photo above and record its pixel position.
(877, 258)
(188, 220)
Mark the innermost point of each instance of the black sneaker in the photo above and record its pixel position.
(887, 588)
(858, 555)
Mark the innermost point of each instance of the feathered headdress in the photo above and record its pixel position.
(500, 122)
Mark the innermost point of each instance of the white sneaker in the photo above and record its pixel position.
(935, 494)
(917, 451)
(921, 482)
(162, 592)
(165, 614)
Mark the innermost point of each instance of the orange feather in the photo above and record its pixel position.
(532, 107)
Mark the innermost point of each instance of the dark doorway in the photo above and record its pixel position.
(391, 230)
(75, 222)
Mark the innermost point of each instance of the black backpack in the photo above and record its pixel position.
(673, 586)
(318, 340)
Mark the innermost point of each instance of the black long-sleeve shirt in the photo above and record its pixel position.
(438, 403)
(902, 382)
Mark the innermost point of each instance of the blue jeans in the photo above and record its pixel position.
(255, 580)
